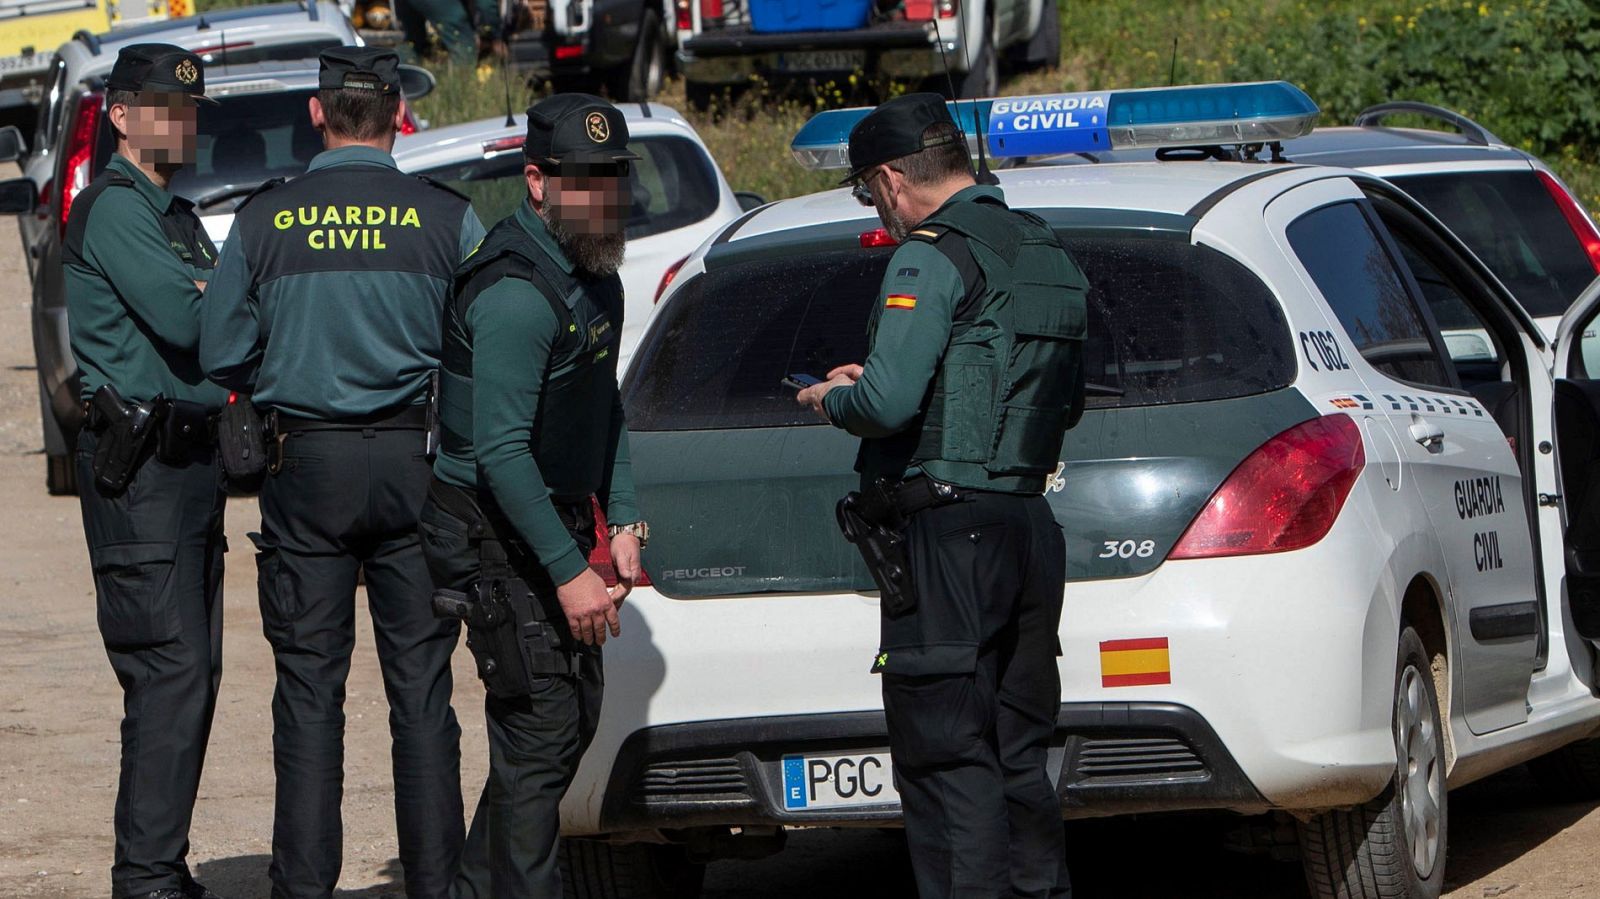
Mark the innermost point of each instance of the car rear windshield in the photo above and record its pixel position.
(674, 185)
(1169, 322)
(242, 141)
(1513, 224)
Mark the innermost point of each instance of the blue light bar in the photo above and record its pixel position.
(1095, 121)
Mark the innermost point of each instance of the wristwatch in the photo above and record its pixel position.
(638, 529)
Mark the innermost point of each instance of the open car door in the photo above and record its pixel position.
(1576, 419)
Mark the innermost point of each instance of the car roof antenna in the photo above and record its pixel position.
(1172, 72)
(505, 76)
(984, 176)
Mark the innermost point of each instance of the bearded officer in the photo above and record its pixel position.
(972, 378)
(533, 428)
(327, 306)
(135, 261)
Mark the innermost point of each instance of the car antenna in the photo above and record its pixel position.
(984, 176)
(505, 76)
(1172, 72)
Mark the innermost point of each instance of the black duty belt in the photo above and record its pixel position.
(184, 422)
(462, 503)
(409, 418)
(912, 496)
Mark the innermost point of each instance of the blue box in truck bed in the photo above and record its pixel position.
(808, 15)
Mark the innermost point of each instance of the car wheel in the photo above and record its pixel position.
(60, 471)
(1571, 772)
(641, 79)
(984, 78)
(61, 475)
(591, 869)
(1394, 846)
(1043, 50)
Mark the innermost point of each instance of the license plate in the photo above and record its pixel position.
(835, 781)
(822, 61)
(31, 63)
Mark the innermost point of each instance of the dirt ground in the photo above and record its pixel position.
(59, 707)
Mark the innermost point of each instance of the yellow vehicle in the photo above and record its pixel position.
(31, 30)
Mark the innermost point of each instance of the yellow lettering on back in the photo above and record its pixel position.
(283, 219)
(308, 215)
(348, 235)
(377, 240)
(352, 215)
(330, 216)
(317, 240)
(411, 219)
(374, 215)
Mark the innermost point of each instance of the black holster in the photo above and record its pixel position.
(125, 433)
(875, 520)
(509, 629)
(242, 443)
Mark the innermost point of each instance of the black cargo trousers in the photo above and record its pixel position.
(156, 551)
(971, 692)
(345, 502)
(536, 741)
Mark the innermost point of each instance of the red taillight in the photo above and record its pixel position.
(948, 8)
(878, 237)
(569, 51)
(1578, 220)
(919, 10)
(408, 125)
(600, 559)
(710, 9)
(666, 279)
(685, 15)
(502, 144)
(1284, 496)
(79, 170)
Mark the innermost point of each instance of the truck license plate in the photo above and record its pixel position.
(834, 781)
(822, 61)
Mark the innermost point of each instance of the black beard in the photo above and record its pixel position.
(597, 255)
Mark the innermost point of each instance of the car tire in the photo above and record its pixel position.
(1571, 772)
(1392, 847)
(61, 475)
(1043, 50)
(984, 78)
(641, 78)
(591, 869)
(60, 470)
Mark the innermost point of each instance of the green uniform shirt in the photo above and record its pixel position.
(911, 325)
(132, 254)
(511, 331)
(328, 300)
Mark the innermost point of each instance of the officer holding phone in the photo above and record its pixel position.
(973, 376)
(135, 261)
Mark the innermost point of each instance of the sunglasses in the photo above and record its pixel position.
(862, 189)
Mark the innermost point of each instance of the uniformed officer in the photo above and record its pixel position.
(533, 428)
(452, 20)
(327, 306)
(972, 378)
(136, 261)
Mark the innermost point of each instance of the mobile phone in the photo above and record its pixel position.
(800, 381)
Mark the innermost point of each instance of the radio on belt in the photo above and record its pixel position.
(1089, 121)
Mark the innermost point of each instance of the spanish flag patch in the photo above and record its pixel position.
(901, 301)
(1135, 663)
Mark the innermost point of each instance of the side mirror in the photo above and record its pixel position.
(416, 82)
(12, 146)
(749, 200)
(18, 196)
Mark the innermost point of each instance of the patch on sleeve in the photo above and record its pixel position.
(900, 301)
(908, 273)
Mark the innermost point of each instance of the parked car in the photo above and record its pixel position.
(1509, 207)
(258, 130)
(226, 38)
(938, 43)
(680, 197)
(1317, 563)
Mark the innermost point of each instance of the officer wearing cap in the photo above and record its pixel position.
(326, 306)
(533, 434)
(135, 261)
(972, 378)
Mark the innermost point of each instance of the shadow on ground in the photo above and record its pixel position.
(245, 877)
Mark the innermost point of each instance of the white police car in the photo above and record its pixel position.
(680, 197)
(1316, 564)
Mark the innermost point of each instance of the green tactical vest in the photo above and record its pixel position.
(1011, 380)
(583, 358)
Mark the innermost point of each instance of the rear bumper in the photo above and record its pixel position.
(742, 41)
(897, 50)
(1108, 758)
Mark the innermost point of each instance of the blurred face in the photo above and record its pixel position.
(161, 129)
(590, 198)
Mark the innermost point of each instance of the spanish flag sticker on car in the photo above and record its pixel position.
(901, 301)
(1135, 663)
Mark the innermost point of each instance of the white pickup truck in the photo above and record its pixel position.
(905, 40)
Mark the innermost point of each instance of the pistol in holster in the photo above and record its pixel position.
(872, 521)
(509, 632)
(125, 431)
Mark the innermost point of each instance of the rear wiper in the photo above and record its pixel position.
(1092, 389)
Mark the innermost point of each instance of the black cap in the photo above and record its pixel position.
(576, 128)
(359, 68)
(894, 130)
(162, 68)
